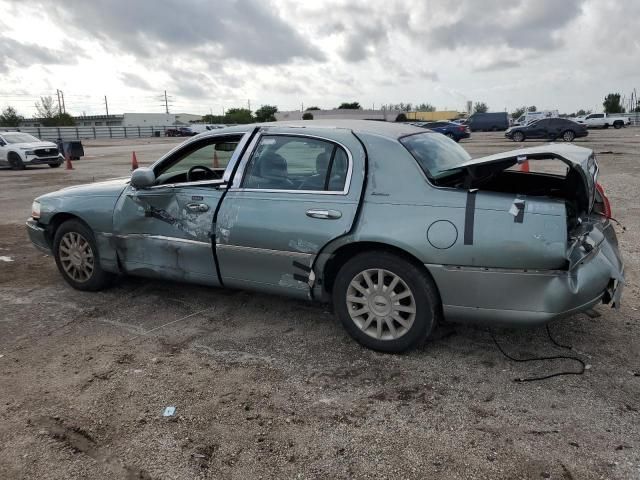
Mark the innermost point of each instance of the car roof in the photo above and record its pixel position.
(391, 130)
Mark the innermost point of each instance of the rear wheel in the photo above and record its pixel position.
(385, 302)
(450, 135)
(15, 161)
(568, 136)
(606, 125)
(617, 125)
(54, 165)
(518, 137)
(76, 254)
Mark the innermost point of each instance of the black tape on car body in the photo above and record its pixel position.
(300, 278)
(302, 267)
(519, 218)
(469, 217)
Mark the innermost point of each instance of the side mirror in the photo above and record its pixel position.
(142, 178)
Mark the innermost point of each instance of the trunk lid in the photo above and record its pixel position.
(579, 160)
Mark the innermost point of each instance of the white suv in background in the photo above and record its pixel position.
(18, 149)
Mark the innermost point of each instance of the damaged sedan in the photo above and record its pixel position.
(396, 226)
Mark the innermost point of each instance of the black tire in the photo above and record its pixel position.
(98, 279)
(568, 135)
(518, 137)
(605, 126)
(425, 300)
(15, 161)
(450, 135)
(54, 165)
(618, 125)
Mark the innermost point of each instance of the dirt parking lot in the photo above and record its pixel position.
(266, 387)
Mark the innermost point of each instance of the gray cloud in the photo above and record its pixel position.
(245, 30)
(27, 54)
(517, 24)
(135, 81)
(499, 64)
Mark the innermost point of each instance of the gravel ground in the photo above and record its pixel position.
(266, 387)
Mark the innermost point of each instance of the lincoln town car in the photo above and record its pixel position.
(396, 227)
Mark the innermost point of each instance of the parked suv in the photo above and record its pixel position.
(19, 149)
(548, 128)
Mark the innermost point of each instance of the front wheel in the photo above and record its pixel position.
(568, 136)
(16, 162)
(76, 254)
(605, 126)
(518, 137)
(54, 165)
(385, 302)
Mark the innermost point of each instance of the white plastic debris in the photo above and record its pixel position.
(4, 258)
(169, 412)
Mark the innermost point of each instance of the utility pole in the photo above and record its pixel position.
(64, 109)
(59, 104)
(166, 102)
(106, 105)
(249, 104)
(302, 106)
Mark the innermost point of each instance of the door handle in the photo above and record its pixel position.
(326, 214)
(197, 207)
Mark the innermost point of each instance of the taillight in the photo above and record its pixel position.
(602, 203)
(461, 128)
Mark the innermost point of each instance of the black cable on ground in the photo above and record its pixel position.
(537, 359)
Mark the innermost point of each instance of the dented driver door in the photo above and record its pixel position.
(166, 230)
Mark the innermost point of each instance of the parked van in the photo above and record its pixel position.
(488, 121)
(529, 117)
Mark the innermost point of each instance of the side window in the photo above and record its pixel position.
(296, 163)
(213, 157)
(542, 123)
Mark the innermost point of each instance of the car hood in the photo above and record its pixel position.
(108, 188)
(30, 145)
(576, 158)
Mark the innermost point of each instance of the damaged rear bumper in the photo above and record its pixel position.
(532, 297)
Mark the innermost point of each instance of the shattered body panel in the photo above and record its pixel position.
(495, 255)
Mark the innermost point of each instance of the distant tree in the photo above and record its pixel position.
(425, 107)
(208, 118)
(45, 109)
(532, 108)
(612, 103)
(401, 117)
(582, 113)
(307, 116)
(10, 118)
(266, 113)
(238, 115)
(350, 106)
(312, 108)
(518, 112)
(62, 120)
(480, 107)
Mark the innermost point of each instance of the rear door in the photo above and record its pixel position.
(294, 192)
(538, 129)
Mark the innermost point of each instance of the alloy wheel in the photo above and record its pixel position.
(76, 257)
(381, 304)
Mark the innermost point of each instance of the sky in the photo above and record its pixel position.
(213, 55)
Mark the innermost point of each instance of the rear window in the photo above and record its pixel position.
(437, 155)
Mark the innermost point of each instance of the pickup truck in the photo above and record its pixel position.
(603, 120)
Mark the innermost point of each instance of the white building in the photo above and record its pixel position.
(341, 113)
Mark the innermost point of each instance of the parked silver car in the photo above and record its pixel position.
(396, 226)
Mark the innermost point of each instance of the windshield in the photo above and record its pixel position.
(437, 155)
(19, 138)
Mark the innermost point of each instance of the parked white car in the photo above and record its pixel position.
(603, 120)
(19, 149)
(204, 127)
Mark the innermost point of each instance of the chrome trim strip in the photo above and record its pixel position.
(155, 237)
(223, 246)
(235, 187)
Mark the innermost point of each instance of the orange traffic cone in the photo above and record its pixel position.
(524, 166)
(68, 165)
(134, 161)
(216, 162)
